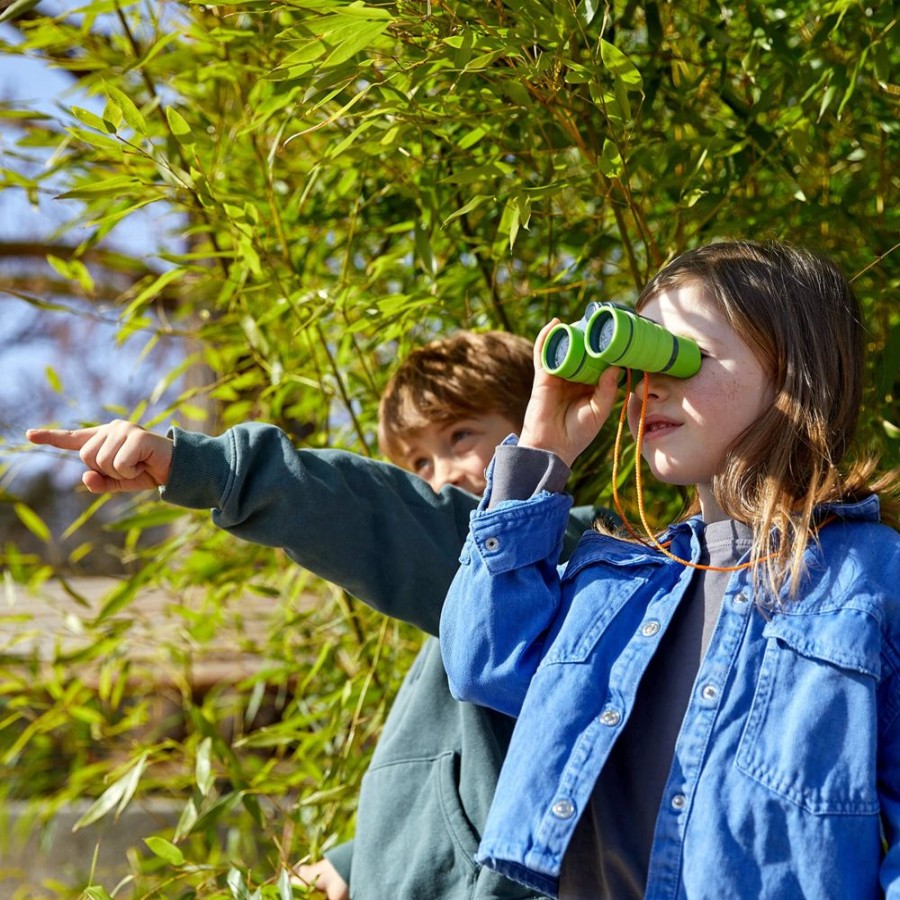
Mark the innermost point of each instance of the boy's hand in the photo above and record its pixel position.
(565, 416)
(324, 877)
(120, 456)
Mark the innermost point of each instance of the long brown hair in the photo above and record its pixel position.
(799, 315)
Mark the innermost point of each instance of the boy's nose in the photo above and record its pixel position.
(446, 471)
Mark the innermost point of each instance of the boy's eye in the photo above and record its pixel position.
(460, 435)
(420, 464)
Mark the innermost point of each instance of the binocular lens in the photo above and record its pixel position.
(557, 350)
(564, 354)
(601, 337)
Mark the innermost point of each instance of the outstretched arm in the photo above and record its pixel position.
(119, 456)
(372, 528)
(368, 526)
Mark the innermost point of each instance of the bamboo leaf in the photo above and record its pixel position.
(466, 208)
(114, 185)
(285, 888)
(179, 125)
(92, 120)
(610, 160)
(616, 62)
(130, 112)
(53, 379)
(116, 796)
(16, 9)
(356, 39)
(165, 850)
(203, 774)
(33, 522)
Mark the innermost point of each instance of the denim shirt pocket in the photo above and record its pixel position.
(811, 734)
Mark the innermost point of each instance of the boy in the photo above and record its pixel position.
(389, 538)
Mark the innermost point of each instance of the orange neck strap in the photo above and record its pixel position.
(663, 548)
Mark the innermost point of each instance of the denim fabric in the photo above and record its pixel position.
(787, 766)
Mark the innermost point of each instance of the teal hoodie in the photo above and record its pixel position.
(383, 535)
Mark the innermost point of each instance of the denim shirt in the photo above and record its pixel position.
(785, 780)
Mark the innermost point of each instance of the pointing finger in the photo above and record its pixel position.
(60, 438)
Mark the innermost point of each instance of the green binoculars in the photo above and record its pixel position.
(611, 335)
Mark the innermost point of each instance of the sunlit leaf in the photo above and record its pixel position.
(33, 522)
(203, 774)
(355, 39)
(17, 8)
(165, 850)
(92, 120)
(130, 112)
(179, 125)
(620, 65)
(116, 797)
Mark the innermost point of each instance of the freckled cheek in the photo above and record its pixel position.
(709, 404)
(736, 403)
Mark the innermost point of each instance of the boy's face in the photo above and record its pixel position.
(456, 452)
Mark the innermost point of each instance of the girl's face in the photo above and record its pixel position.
(691, 422)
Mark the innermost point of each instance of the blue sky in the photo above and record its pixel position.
(97, 373)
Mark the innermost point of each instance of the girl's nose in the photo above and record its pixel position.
(658, 384)
(637, 383)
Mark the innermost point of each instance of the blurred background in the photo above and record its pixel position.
(215, 213)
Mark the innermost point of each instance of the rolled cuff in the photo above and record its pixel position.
(520, 473)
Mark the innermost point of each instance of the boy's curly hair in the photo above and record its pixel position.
(467, 374)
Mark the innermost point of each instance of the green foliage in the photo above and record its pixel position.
(351, 180)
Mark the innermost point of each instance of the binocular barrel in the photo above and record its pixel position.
(609, 335)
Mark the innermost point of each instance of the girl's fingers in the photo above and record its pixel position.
(539, 343)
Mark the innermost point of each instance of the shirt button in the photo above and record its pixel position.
(563, 809)
(492, 544)
(741, 598)
(648, 629)
(678, 801)
(610, 717)
(710, 692)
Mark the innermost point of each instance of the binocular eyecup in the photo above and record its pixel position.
(611, 335)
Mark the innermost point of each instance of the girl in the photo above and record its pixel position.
(715, 713)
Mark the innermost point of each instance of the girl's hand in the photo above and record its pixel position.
(564, 416)
(120, 456)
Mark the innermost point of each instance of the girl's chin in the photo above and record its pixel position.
(667, 472)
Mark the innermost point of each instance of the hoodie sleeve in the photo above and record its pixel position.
(372, 528)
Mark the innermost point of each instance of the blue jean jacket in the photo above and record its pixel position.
(785, 782)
